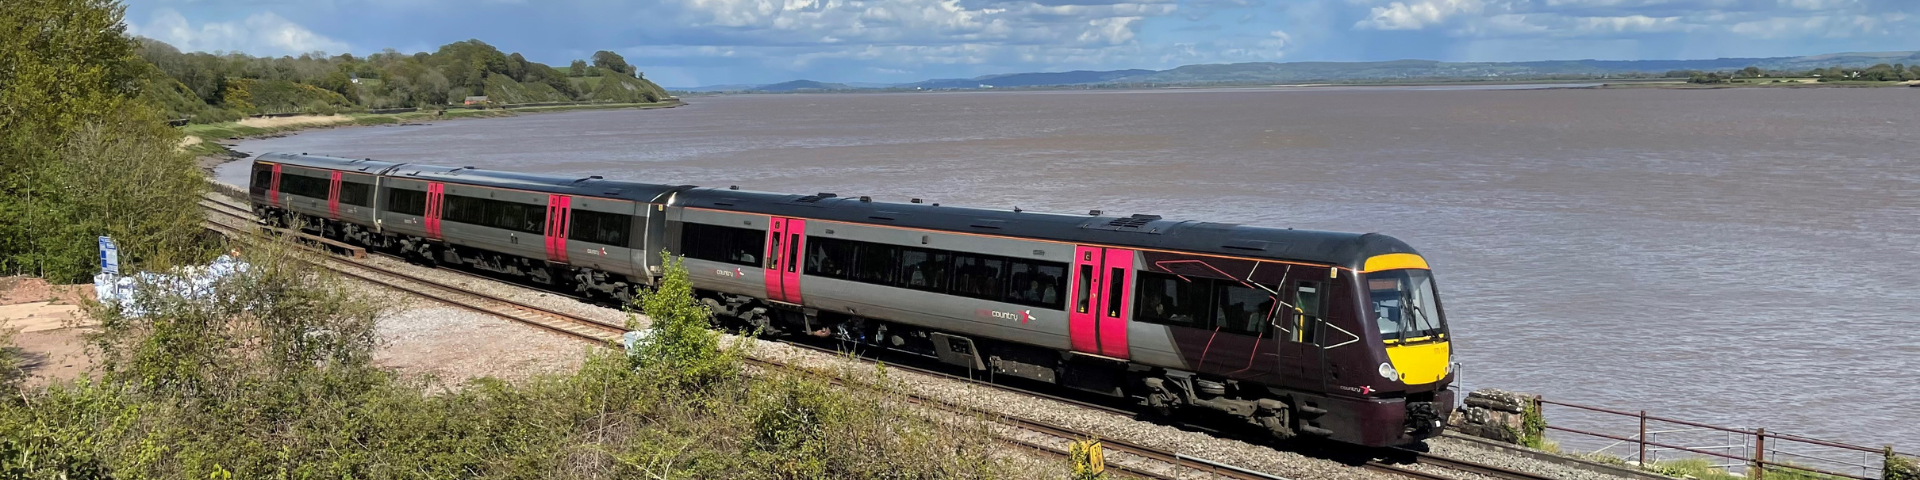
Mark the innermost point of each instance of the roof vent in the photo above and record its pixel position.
(914, 201)
(867, 199)
(1134, 221)
(1016, 209)
(815, 197)
(1095, 213)
(1253, 245)
(733, 187)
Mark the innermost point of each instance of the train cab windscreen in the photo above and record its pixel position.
(1403, 304)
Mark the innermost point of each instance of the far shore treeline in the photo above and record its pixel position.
(203, 87)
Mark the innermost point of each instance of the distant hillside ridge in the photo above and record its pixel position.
(1300, 72)
(801, 86)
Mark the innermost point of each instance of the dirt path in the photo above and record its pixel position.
(49, 327)
(302, 120)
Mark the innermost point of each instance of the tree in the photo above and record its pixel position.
(1752, 72)
(612, 61)
(577, 69)
(64, 65)
(1707, 78)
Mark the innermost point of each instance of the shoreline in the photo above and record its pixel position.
(209, 143)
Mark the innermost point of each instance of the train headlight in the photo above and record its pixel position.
(1387, 372)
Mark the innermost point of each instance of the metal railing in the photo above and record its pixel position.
(1737, 450)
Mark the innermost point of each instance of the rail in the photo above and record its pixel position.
(1751, 451)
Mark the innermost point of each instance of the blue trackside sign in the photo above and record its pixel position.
(109, 256)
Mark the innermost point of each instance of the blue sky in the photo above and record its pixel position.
(710, 42)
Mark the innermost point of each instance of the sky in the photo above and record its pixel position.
(686, 43)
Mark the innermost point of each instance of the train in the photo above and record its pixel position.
(1295, 333)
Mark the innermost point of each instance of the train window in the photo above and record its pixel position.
(262, 177)
(495, 213)
(1307, 324)
(1242, 310)
(773, 254)
(1085, 287)
(737, 246)
(409, 202)
(600, 227)
(305, 186)
(924, 269)
(1403, 305)
(830, 257)
(876, 263)
(355, 194)
(793, 251)
(979, 276)
(1171, 300)
(1116, 290)
(1038, 284)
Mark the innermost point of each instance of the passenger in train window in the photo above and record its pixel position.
(747, 258)
(1031, 293)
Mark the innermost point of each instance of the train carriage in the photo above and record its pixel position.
(1301, 333)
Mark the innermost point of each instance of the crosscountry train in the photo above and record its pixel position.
(1299, 333)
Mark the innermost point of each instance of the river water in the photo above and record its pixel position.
(1742, 257)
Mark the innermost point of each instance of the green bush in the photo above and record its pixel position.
(1899, 468)
(1533, 427)
(679, 344)
(269, 375)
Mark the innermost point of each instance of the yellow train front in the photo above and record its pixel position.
(1394, 389)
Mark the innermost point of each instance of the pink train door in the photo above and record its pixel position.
(436, 191)
(273, 192)
(786, 240)
(333, 196)
(559, 225)
(1098, 304)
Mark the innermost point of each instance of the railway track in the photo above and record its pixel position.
(1475, 470)
(1145, 462)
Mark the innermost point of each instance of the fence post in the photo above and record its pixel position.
(1643, 438)
(1759, 454)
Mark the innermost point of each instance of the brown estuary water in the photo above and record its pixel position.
(1741, 257)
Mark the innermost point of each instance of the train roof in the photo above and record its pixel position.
(1350, 250)
(591, 186)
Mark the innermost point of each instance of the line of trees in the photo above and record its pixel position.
(1878, 73)
(213, 87)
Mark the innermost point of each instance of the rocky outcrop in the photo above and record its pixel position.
(1496, 415)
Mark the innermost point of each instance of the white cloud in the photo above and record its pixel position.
(1819, 26)
(260, 34)
(1417, 15)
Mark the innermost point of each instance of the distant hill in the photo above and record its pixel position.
(1027, 79)
(1307, 72)
(801, 86)
(738, 87)
(1415, 69)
